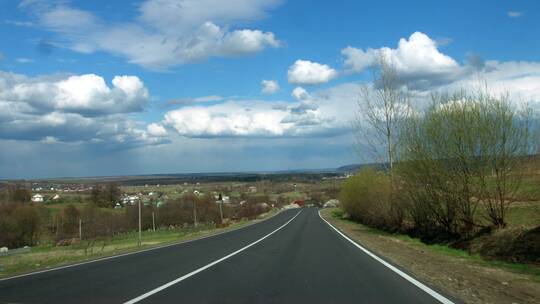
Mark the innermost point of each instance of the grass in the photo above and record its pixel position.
(449, 251)
(49, 256)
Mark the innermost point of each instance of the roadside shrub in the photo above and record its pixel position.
(367, 196)
(511, 244)
(67, 223)
(99, 223)
(20, 225)
(464, 153)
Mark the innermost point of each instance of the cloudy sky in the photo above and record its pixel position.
(170, 86)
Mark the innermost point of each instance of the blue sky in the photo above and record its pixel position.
(156, 86)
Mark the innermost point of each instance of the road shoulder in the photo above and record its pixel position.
(459, 276)
(44, 261)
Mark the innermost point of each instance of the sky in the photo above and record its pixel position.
(95, 88)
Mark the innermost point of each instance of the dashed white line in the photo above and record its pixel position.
(180, 279)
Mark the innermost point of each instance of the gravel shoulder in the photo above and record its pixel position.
(465, 277)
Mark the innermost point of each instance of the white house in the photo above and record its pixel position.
(37, 198)
(131, 199)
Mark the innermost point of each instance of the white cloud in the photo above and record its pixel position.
(156, 130)
(269, 86)
(166, 33)
(357, 60)
(227, 119)
(242, 42)
(305, 72)
(84, 94)
(77, 108)
(417, 55)
(300, 93)
(417, 60)
(250, 119)
(515, 14)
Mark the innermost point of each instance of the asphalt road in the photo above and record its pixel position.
(293, 257)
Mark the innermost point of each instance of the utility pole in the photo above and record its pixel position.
(80, 229)
(194, 213)
(140, 234)
(220, 207)
(153, 222)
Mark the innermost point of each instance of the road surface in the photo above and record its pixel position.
(293, 257)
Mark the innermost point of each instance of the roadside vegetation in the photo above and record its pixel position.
(459, 172)
(99, 219)
(468, 277)
(48, 255)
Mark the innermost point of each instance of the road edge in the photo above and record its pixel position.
(430, 290)
(166, 245)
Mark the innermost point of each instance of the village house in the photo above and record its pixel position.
(37, 198)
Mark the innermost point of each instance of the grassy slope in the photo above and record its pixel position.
(468, 277)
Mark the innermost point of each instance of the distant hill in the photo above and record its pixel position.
(353, 168)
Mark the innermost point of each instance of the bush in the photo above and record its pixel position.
(464, 153)
(367, 198)
(20, 225)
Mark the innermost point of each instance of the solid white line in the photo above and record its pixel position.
(407, 277)
(171, 283)
(134, 252)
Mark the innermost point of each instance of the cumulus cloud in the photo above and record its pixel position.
(249, 119)
(87, 94)
(417, 60)
(166, 33)
(423, 68)
(300, 93)
(269, 87)
(76, 108)
(156, 130)
(305, 72)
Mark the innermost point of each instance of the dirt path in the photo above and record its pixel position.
(461, 277)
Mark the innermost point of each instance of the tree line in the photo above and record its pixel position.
(23, 223)
(452, 168)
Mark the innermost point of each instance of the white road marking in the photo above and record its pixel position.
(407, 277)
(180, 279)
(134, 252)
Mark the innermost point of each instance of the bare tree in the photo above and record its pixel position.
(381, 107)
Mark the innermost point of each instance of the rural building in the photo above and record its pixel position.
(299, 202)
(37, 198)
